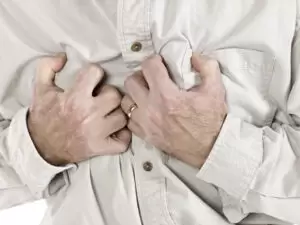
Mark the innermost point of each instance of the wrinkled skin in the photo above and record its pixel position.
(184, 124)
(72, 126)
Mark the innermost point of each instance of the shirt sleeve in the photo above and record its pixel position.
(257, 169)
(24, 174)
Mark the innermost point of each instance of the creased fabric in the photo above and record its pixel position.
(252, 174)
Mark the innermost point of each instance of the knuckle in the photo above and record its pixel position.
(94, 69)
(133, 80)
(42, 68)
(152, 61)
(93, 72)
(129, 80)
(43, 62)
(114, 95)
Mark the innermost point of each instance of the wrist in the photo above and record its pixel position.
(47, 154)
(206, 150)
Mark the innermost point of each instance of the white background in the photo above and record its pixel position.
(29, 214)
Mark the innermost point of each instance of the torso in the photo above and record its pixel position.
(251, 40)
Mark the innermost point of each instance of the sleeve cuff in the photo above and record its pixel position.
(235, 157)
(32, 169)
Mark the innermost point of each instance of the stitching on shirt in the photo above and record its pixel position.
(149, 22)
(146, 23)
(121, 25)
(164, 197)
(268, 96)
(271, 74)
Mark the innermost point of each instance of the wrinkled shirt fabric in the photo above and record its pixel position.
(252, 175)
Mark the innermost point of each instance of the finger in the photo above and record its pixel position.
(156, 75)
(99, 87)
(116, 121)
(123, 136)
(119, 141)
(116, 143)
(126, 104)
(109, 99)
(116, 146)
(137, 87)
(207, 68)
(88, 79)
(48, 67)
(136, 129)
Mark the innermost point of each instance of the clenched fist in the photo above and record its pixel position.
(75, 125)
(184, 124)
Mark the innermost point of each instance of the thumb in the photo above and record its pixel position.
(48, 67)
(207, 68)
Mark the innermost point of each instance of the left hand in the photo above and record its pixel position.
(184, 124)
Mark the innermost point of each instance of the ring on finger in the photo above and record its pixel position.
(131, 109)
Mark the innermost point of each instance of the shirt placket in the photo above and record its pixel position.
(150, 183)
(134, 31)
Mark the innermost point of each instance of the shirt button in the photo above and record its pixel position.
(136, 47)
(148, 166)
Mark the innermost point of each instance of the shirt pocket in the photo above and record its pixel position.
(247, 75)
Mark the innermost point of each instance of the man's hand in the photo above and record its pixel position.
(72, 126)
(184, 124)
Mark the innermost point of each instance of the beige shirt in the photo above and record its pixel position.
(252, 175)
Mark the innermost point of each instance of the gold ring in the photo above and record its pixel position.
(131, 109)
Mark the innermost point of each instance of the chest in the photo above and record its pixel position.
(100, 31)
(248, 38)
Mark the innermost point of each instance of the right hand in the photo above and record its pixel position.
(72, 126)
